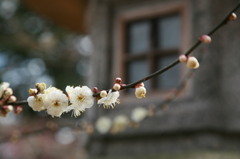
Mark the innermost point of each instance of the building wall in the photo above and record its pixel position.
(206, 117)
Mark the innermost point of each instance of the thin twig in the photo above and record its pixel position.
(166, 68)
(222, 23)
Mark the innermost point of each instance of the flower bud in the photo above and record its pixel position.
(205, 39)
(18, 110)
(192, 62)
(103, 93)
(140, 92)
(3, 87)
(232, 17)
(8, 92)
(141, 84)
(95, 90)
(118, 80)
(12, 99)
(32, 92)
(8, 108)
(182, 58)
(116, 87)
(40, 87)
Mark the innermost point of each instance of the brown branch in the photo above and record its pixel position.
(188, 52)
(166, 68)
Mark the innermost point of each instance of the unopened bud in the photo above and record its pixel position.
(140, 92)
(8, 92)
(205, 39)
(116, 86)
(95, 90)
(8, 108)
(12, 99)
(103, 93)
(118, 80)
(232, 17)
(40, 87)
(32, 92)
(192, 63)
(182, 58)
(18, 110)
(141, 84)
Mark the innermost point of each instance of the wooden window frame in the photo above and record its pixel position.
(142, 12)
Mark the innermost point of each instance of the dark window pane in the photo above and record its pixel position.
(169, 32)
(139, 37)
(137, 70)
(170, 78)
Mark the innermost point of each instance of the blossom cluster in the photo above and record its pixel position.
(6, 100)
(76, 99)
(55, 102)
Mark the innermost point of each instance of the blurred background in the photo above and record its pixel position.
(91, 42)
(34, 49)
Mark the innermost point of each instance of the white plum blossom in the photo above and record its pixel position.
(110, 100)
(138, 114)
(56, 102)
(52, 99)
(103, 125)
(51, 89)
(36, 102)
(80, 99)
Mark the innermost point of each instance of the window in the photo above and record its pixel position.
(150, 44)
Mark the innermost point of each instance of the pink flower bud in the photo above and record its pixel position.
(95, 90)
(192, 62)
(140, 85)
(8, 108)
(116, 86)
(232, 17)
(205, 39)
(182, 58)
(18, 110)
(118, 80)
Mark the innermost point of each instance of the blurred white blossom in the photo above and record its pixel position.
(120, 123)
(138, 114)
(103, 125)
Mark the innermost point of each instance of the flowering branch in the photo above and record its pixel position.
(229, 17)
(104, 124)
(78, 99)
